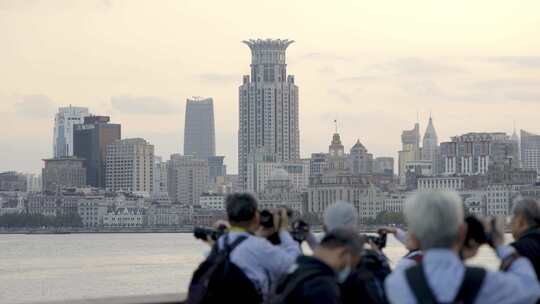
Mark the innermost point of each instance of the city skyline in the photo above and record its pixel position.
(365, 78)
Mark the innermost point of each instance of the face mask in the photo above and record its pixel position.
(343, 274)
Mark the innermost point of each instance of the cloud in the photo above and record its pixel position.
(35, 106)
(327, 70)
(216, 78)
(339, 95)
(532, 62)
(361, 78)
(413, 66)
(144, 105)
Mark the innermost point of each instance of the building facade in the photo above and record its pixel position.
(63, 172)
(64, 122)
(212, 201)
(530, 151)
(90, 141)
(130, 165)
(199, 130)
(187, 179)
(410, 149)
(159, 177)
(475, 153)
(279, 192)
(13, 181)
(216, 168)
(384, 165)
(359, 160)
(268, 106)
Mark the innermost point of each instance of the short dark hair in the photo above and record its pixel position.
(344, 237)
(475, 231)
(529, 208)
(241, 207)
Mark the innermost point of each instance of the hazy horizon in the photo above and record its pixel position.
(370, 65)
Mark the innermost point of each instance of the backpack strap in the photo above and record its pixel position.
(230, 247)
(472, 282)
(419, 285)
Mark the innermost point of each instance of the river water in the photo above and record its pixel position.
(77, 266)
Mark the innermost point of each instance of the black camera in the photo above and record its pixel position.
(299, 230)
(476, 231)
(378, 240)
(202, 233)
(266, 218)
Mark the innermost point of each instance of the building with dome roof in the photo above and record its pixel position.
(279, 191)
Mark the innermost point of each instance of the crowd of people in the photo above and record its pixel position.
(255, 263)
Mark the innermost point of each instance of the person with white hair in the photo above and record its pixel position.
(435, 220)
(526, 230)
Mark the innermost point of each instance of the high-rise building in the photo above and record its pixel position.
(160, 177)
(360, 161)
(90, 141)
(410, 150)
(530, 151)
(199, 131)
(187, 179)
(130, 165)
(476, 153)
(63, 172)
(384, 165)
(64, 122)
(430, 147)
(268, 106)
(216, 168)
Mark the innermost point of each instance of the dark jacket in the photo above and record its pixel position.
(366, 284)
(528, 245)
(320, 286)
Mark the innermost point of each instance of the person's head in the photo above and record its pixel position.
(435, 219)
(242, 211)
(341, 250)
(526, 215)
(340, 215)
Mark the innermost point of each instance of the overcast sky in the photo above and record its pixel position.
(372, 65)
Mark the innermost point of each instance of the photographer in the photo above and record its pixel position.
(526, 231)
(365, 283)
(257, 259)
(435, 220)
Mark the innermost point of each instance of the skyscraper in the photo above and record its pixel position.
(430, 147)
(130, 165)
(90, 142)
(64, 121)
(530, 151)
(410, 150)
(268, 106)
(199, 131)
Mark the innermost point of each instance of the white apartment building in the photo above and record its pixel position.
(124, 217)
(441, 183)
(212, 201)
(130, 166)
(91, 210)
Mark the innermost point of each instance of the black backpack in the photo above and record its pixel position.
(218, 280)
(470, 286)
(288, 285)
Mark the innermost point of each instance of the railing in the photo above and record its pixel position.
(151, 299)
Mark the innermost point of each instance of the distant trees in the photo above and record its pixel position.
(27, 220)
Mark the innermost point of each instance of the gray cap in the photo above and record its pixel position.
(340, 215)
